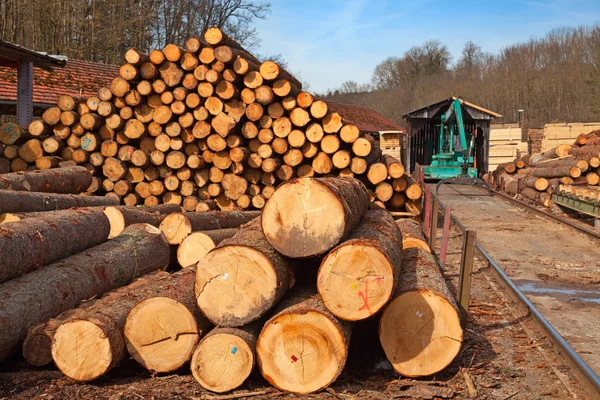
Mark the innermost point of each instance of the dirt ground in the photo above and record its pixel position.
(503, 356)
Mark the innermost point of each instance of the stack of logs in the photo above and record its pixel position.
(206, 124)
(535, 177)
(240, 305)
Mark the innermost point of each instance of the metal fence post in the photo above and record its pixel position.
(427, 212)
(466, 267)
(445, 235)
(435, 206)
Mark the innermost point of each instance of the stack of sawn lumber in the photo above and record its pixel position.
(240, 305)
(206, 123)
(575, 167)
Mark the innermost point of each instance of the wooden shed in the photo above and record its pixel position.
(424, 127)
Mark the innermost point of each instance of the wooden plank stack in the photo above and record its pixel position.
(239, 306)
(535, 177)
(201, 124)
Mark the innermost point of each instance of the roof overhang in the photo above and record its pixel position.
(11, 55)
(433, 110)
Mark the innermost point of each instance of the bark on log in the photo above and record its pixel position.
(45, 293)
(14, 201)
(59, 180)
(291, 224)
(412, 235)
(225, 357)
(540, 184)
(557, 172)
(420, 329)
(178, 226)
(35, 242)
(358, 277)
(304, 347)
(198, 244)
(242, 278)
(121, 217)
(162, 331)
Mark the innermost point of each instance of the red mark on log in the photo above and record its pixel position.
(365, 297)
(294, 359)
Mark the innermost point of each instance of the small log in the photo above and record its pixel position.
(304, 347)
(295, 230)
(394, 167)
(195, 246)
(540, 184)
(358, 277)
(258, 273)
(59, 180)
(15, 202)
(178, 226)
(121, 217)
(424, 303)
(412, 235)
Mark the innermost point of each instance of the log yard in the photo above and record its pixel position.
(191, 221)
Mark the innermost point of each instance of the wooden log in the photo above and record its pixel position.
(377, 173)
(247, 267)
(412, 235)
(62, 285)
(31, 150)
(304, 347)
(592, 178)
(394, 167)
(557, 172)
(413, 189)
(15, 201)
(530, 193)
(540, 184)
(35, 242)
(357, 278)
(121, 217)
(295, 230)
(12, 133)
(270, 71)
(59, 180)
(162, 331)
(225, 357)
(178, 226)
(195, 246)
(420, 329)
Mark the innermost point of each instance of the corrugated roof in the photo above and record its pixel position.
(77, 78)
(364, 118)
(11, 53)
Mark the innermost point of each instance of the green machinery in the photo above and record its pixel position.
(454, 156)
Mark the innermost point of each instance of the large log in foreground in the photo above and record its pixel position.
(161, 332)
(69, 180)
(304, 347)
(12, 201)
(306, 217)
(358, 277)
(42, 294)
(225, 357)
(242, 278)
(35, 242)
(420, 329)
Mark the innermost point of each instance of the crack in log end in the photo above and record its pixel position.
(175, 338)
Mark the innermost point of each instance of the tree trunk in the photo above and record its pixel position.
(59, 180)
(413, 190)
(33, 298)
(242, 278)
(304, 347)
(161, 331)
(530, 193)
(35, 242)
(394, 167)
(225, 357)
(123, 216)
(291, 224)
(412, 234)
(357, 278)
(195, 246)
(540, 184)
(178, 226)
(556, 172)
(420, 329)
(15, 202)
(12, 133)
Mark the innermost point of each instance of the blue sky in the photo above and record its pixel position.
(328, 42)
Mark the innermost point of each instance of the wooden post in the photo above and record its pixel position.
(24, 93)
(427, 212)
(445, 235)
(435, 207)
(466, 266)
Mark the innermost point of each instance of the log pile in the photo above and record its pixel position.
(208, 122)
(235, 305)
(535, 177)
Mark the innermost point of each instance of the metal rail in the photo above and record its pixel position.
(556, 337)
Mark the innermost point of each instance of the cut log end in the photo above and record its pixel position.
(161, 334)
(301, 352)
(193, 249)
(420, 333)
(176, 227)
(222, 362)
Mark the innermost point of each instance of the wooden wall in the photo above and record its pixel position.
(505, 142)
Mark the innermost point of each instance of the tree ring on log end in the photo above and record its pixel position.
(222, 362)
(301, 352)
(420, 333)
(161, 334)
(303, 218)
(235, 285)
(82, 350)
(193, 249)
(355, 281)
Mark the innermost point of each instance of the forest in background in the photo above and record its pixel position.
(555, 78)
